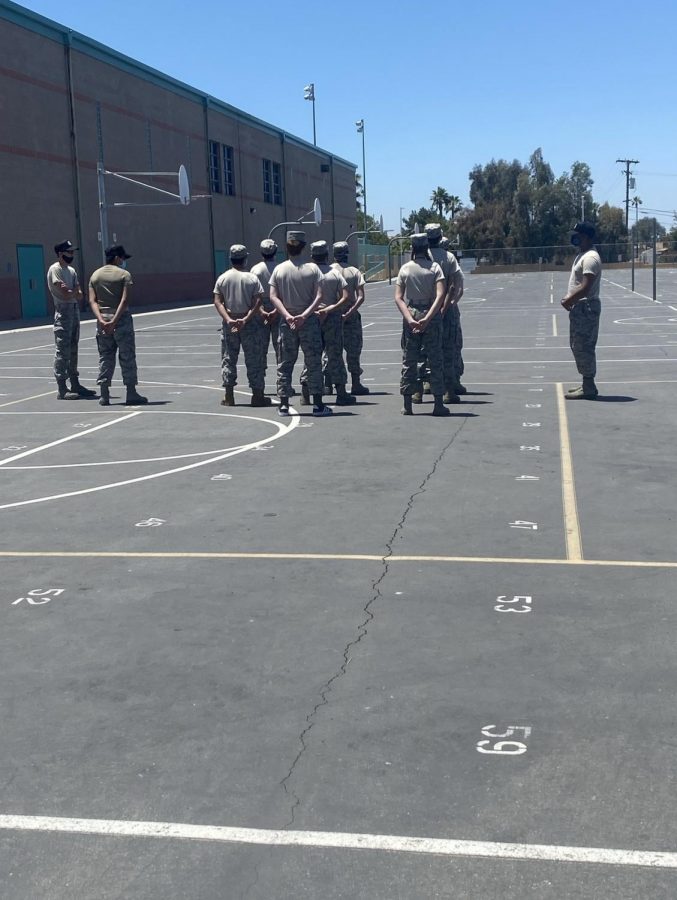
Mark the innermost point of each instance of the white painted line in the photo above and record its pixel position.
(385, 843)
(554, 325)
(281, 431)
(673, 307)
(24, 399)
(137, 315)
(622, 286)
(368, 325)
(70, 437)
(572, 526)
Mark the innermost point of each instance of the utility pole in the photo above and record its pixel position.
(626, 172)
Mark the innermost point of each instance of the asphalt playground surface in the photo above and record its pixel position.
(360, 657)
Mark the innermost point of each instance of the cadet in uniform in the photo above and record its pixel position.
(109, 290)
(237, 297)
(457, 366)
(330, 313)
(352, 320)
(64, 286)
(584, 307)
(270, 318)
(420, 290)
(454, 287)
(295, 292)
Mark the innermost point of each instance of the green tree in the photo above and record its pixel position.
(644, 230)
(441, 201)
(421, 217)
(454, 206)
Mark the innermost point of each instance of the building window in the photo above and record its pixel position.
(272, 182)
(228, 171)
(215, 167)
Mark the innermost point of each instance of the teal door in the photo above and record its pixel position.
(220, 261)
(32, 280)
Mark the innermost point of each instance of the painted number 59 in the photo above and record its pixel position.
(503, 747)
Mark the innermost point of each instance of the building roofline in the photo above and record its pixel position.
(26, 18)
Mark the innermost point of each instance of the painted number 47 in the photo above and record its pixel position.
(39, 597)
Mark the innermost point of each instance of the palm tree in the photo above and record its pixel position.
(440, 199)
(453, 206)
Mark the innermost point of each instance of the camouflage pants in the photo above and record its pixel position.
(309, 339)
(272, 336)
(121, 340)
(66, 337)
(452, 345)
(252, 339)
(429, 343)
(583, 331)
(352, 344)
(332, 346)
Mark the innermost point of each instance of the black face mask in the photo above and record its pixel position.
(575, 240)
(68, 259)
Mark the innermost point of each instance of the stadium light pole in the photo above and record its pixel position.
(360, 130)
(309, 94)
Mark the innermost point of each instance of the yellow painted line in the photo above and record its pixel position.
(338, 557)
(554, 325)
(572, 526)
(24, 399)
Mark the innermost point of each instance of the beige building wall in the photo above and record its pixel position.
(67, 103)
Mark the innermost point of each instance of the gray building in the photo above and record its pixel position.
(68, 103)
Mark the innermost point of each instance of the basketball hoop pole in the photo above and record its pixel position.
(315, 212)
(183, 196)
(103, 209)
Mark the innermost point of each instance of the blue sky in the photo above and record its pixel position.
(440, 90)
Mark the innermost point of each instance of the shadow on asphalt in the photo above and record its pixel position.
(612, 398)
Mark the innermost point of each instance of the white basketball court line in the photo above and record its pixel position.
(336, 840)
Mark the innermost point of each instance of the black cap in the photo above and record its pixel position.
(585, 228)
(117, 250)
(64, 247)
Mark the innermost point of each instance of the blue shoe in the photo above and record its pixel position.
(321, 411)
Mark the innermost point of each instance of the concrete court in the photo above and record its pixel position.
(292, 625)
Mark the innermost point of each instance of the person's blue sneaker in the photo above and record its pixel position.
(324, 410)
(283, 411)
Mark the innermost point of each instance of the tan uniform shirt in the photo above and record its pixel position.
(354, 279)
(68, 276)
(296, 284)
(418, 280)
(263, 270)
(588, 263)
(333, 285)
(239, 291)
(109, 283)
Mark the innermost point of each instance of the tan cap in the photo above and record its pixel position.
(238, 251)
(296, 237)
(319, 248)
(268, 246)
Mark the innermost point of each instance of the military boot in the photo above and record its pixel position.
(228, 397)
(78, 389)
(426, 388)
(358, 389)
(104, 399)
(586, 391)
(343, 398)
(450, 396)
(305, 395)
(439, 409)
(62, 391)
(459, 388)
(417, 396)
(406, 405)
(260, 399)
(328, 386)
(133, 398)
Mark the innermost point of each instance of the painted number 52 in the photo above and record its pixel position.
(39, 597)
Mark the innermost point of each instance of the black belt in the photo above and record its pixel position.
(420, 308)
